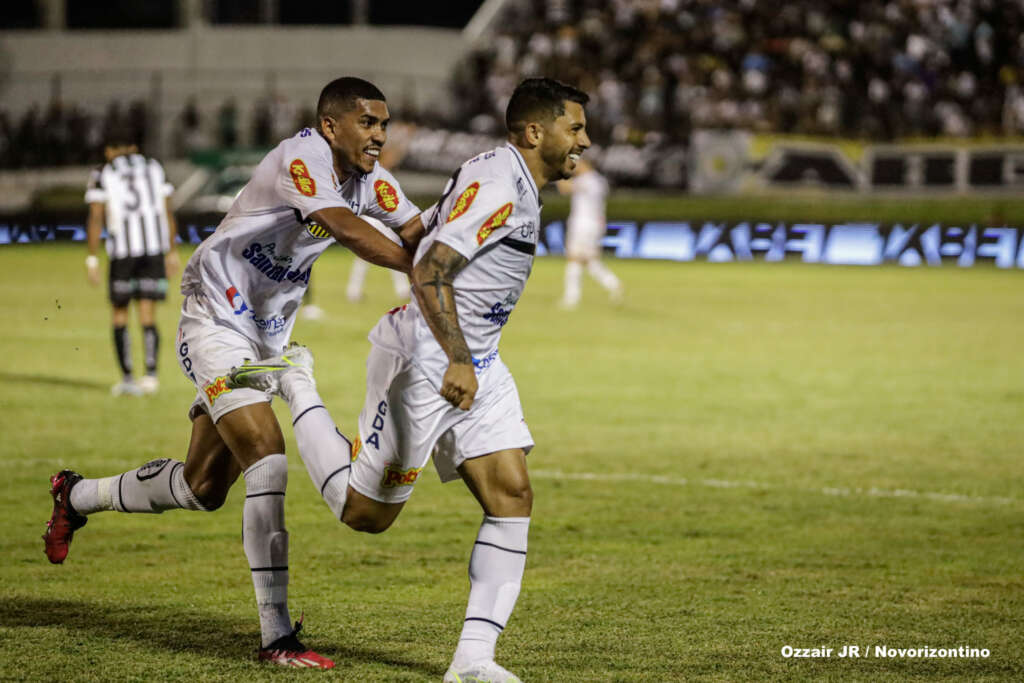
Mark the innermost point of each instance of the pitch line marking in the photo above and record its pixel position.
(841, 492)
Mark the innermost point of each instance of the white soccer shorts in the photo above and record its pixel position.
(405, 420)
(206, 353)
(583, 240)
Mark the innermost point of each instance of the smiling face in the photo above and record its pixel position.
(564, 140)
(357, 136)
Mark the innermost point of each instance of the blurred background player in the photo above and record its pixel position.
(584, 229)
(356, 276)
(130, 196)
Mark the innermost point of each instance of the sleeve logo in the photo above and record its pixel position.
(387, 198)
(496, 220)
(463, 203)
(317, 231)
(304, 183)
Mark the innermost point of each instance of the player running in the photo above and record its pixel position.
(436, 383)
(242, 288)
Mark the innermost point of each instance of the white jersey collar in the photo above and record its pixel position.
(526, 170)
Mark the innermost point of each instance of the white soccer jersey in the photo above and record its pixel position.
(589, 194)
(489, 213)
(256, 266)
(134, 191)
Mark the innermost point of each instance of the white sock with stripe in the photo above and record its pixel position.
(266, 543)
(156, 486)
(495, 575)
(325, 451)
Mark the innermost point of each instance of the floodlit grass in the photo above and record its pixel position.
(739, 458)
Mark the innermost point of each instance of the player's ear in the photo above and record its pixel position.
(328, 127)
(534, 134)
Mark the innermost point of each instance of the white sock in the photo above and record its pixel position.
(156, 486)
(266, 543)
(573, 276)
(356, 277)
(324, 450)
(495, 575)
(605, 277)
(400, 281)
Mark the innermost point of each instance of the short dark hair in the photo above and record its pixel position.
(540, 99)
(340, 95)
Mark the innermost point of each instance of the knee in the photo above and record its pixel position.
(513, 499)
(210, 492)
(365, 523)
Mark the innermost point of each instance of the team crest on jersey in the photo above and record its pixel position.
(394, 476)
(496, 220)
(317, 231)
(304, 183)
(464, 201)
(387, 198)
(217, 388)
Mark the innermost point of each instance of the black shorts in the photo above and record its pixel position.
(137, 277)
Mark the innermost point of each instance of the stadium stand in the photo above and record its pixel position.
(875, 69)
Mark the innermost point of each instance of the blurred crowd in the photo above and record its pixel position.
(657, 70)
(63, 134)
(877, 69)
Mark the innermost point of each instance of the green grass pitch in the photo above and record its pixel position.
(740, 458)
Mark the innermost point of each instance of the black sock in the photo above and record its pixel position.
(151, 344)
(123, 346)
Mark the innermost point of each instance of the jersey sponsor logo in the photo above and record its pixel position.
(500, 311)
(263, 258)
(317, 231)
(394, 476)
(496, 220)
(235, 300)
(387, 198)
(304, 183)
(463, 203)
(275, 324)
(482, 364)
(217, 388)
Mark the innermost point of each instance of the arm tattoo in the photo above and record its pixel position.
(436, 275)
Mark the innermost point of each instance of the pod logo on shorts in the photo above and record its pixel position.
(304, 183)
(217, 388)
(387, 198)
(496, 220)
(394, 476)
(317, 231)
(464, 201)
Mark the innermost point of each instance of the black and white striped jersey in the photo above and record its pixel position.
(133, 189)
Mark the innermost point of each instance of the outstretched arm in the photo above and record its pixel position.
(359, 236)
(433, 284)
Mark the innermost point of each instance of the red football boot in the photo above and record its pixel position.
(288, 651)
(64, 521)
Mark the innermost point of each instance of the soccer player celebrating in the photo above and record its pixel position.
(242, 288)
(129, 194)
(435, 381)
